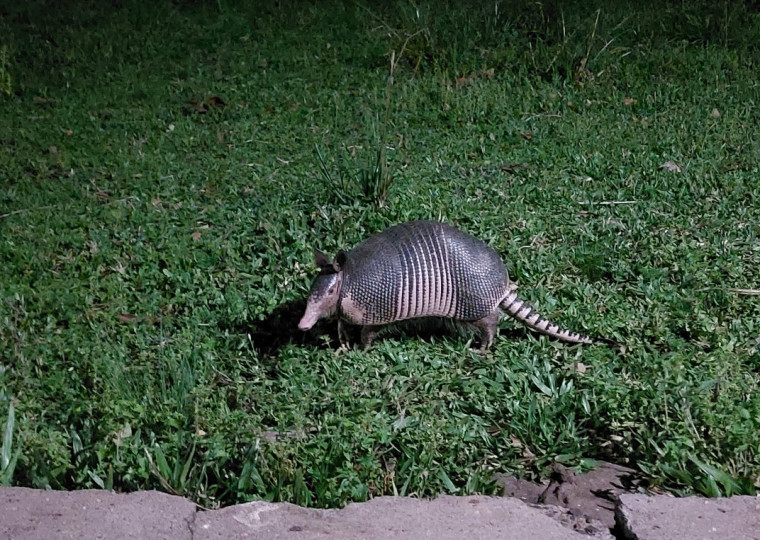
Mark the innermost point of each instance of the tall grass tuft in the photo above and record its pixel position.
(372, 182)
(8, 458)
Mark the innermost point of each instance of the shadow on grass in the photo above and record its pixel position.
(280, 328)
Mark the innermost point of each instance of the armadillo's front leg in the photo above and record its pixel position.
(343, 337)
(369, 333)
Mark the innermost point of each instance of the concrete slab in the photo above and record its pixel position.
(31, 514)
(27, 514)
(444, 518)
(644, 517)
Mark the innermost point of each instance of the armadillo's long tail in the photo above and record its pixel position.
(523, 312)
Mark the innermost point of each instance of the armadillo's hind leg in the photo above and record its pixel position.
(369, 333)
(486, 327)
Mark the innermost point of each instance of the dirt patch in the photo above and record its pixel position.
(589, 496)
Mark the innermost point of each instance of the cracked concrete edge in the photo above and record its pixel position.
(443, 518)
(663, 517)
(27, 514)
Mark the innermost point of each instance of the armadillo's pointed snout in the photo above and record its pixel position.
(309, 318)
(304, 324)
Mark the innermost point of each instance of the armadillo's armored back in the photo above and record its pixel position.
(421, 269)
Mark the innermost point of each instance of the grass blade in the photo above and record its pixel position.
(5, 454)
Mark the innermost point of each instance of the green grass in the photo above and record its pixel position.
(160, 197)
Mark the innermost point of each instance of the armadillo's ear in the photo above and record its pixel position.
(340, 261)
(320, 259)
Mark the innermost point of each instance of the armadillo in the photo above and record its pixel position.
(420, 269)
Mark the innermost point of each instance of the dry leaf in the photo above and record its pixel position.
(715, 113)
(580, 367)
(515, 442)
(197, 106)
(628, 101)
(196, 236)
(121, 434)
(202, 107)
(215, 101)
(671, 166)
(353, 148)
(126, 317)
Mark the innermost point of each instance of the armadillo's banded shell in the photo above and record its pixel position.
(421, 269)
